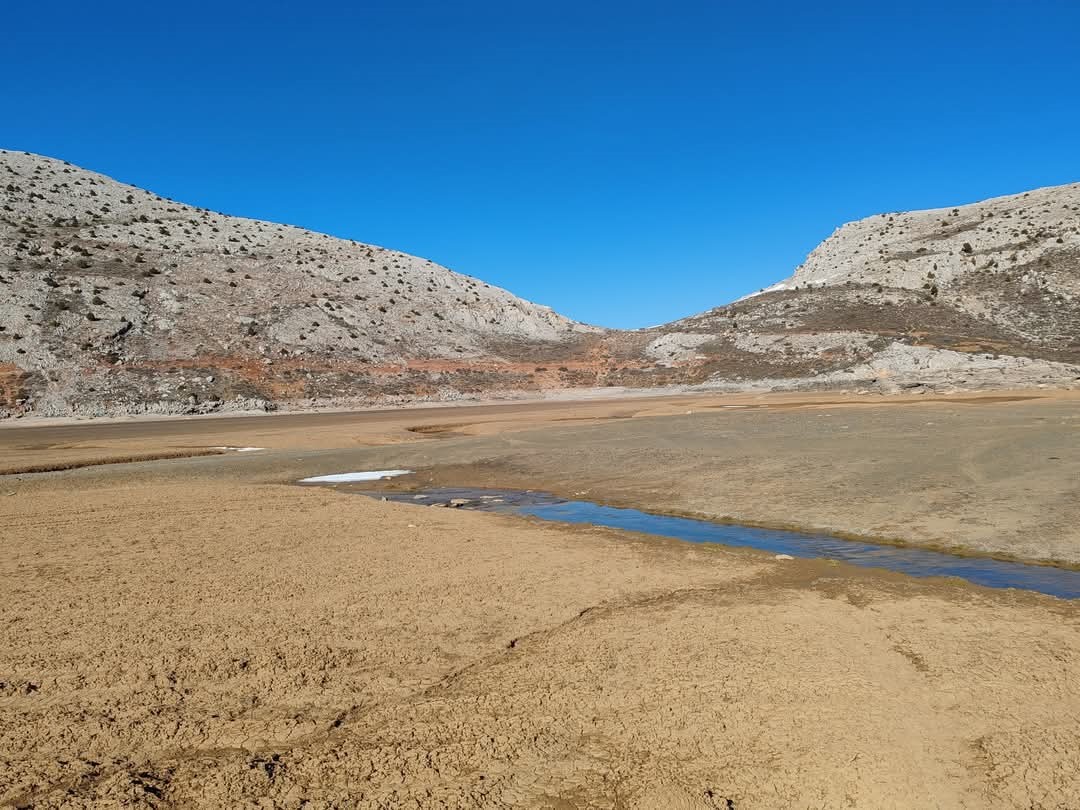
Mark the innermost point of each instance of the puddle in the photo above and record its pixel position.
(916, 562)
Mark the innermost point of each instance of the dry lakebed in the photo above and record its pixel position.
(185, 625)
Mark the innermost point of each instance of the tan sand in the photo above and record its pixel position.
(192, 633)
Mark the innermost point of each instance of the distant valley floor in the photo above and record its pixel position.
(988, 473)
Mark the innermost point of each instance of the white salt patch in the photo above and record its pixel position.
(342, 478)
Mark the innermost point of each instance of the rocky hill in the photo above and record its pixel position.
(114, 300)
(973, 296)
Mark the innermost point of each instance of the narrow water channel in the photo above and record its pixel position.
(1059, 582)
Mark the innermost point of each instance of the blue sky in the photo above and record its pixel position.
(627, 163)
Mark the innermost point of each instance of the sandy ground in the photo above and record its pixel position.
(196, 632)
(995, 474)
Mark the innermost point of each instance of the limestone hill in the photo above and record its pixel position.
(972, 296)
(113, 299)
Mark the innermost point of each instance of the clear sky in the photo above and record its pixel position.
(625, 162)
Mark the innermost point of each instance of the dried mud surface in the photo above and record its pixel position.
(196, 632)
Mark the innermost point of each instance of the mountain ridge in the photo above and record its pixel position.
(116, 301)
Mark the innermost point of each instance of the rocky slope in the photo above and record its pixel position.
(114, 300)
(977, 295)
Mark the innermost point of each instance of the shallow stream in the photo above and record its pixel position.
(1060, 582)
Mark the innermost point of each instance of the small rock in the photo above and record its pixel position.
(783, 557)
(459, 502)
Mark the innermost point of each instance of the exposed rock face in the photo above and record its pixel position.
(915, 250)
(993, 280)
(114, 300)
